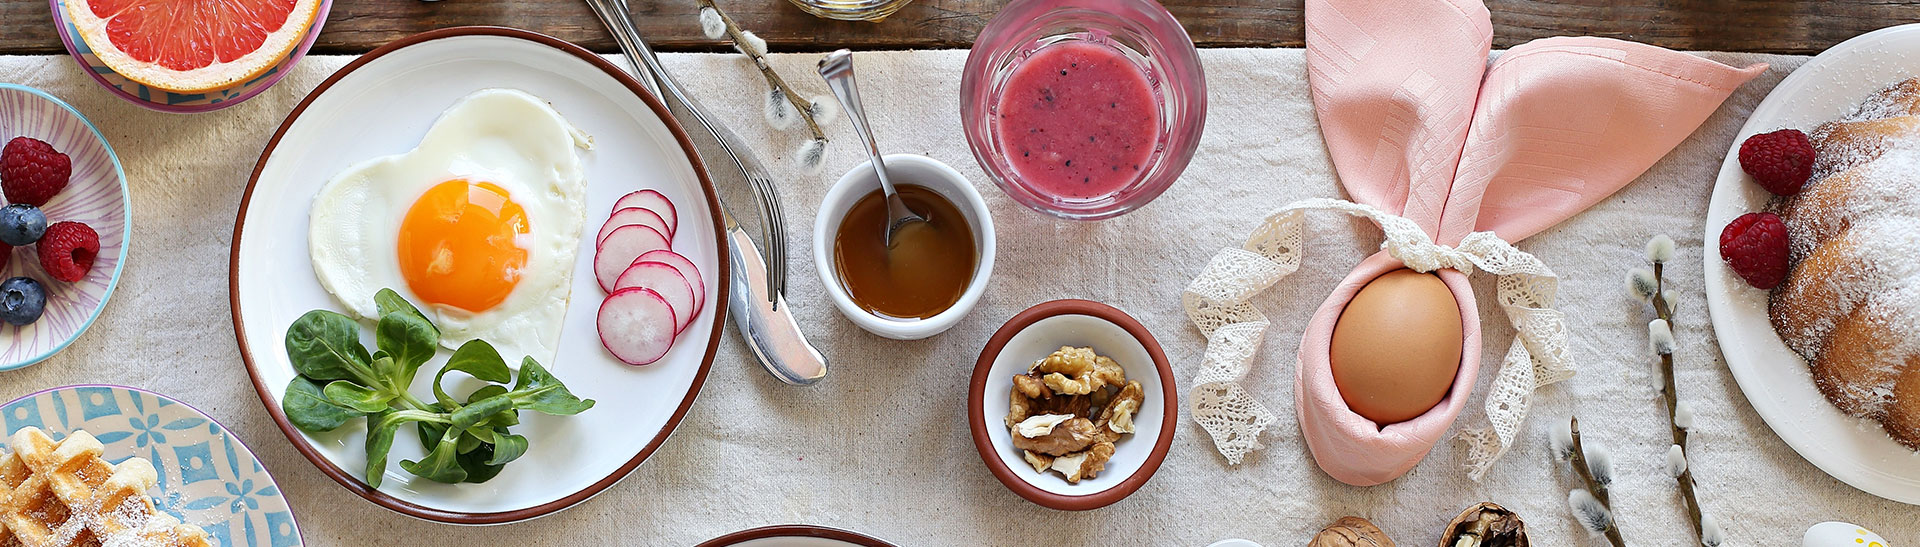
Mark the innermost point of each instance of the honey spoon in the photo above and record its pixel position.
(837, 69)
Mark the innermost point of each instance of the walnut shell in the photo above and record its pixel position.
(1351, 532)
(1497, 527)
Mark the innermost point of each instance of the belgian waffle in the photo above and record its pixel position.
(58, 494)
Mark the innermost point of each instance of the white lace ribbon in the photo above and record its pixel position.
(1217, 302)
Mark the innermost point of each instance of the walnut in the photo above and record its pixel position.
(1078, 405)
(1019, 407)
(1078, 371)
(1073, 435)
(1351, 532)
(1040, 462)
(1085, 465)
(1069, 409)
(1118, 417)
(1030, 386)
(1040, 425)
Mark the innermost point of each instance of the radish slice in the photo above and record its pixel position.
(634, 216)
(687, 271)
(666, 281)
(636, 325)
(620, 248)
(652, 201)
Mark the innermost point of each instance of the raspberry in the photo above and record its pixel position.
(6, 255)
(32, 172)
(1755, 245)
(68, 249)
(1780, 161)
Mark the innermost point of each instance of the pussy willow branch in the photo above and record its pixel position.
(1665, 310)
(760, 61)
(1599, 491)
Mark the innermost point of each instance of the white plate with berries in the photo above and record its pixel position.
(1776, 380)
(63, 229)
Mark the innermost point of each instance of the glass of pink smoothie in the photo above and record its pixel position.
(1083, 109)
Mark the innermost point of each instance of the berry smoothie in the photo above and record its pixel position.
(1078, 120)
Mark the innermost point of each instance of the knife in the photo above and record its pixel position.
(756, 300)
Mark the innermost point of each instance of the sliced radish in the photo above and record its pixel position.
(636, 325)
(666, 281)
(620, 248)
(632, 216)
(652, 201)
(687, 271)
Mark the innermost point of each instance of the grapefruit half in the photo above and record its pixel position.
(191, 46)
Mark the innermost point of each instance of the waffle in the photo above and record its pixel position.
(56, 494)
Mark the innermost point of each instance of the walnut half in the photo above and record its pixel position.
(1118, 417)
(1069, 436)
(1085, 465)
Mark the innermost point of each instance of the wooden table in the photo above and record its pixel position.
(1773, 26)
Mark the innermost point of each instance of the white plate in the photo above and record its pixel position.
(1041, 339)
(1774, 378)
(795, 535)
(382, 104)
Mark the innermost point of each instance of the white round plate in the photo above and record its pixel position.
(1042, 338)
(795, 535)
(382, 104)
(207, 477)
(1774, 378)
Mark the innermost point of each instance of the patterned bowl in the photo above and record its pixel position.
(168, 101)
(96, 195)
(207, 476)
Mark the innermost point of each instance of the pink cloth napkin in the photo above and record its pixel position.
(1419, 125)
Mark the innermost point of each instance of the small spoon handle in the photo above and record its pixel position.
(837, 69)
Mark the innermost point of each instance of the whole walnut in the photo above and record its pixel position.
(1351, 532)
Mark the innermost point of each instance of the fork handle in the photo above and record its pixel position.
(613, 13)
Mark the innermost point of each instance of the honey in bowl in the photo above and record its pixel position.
(926, 269)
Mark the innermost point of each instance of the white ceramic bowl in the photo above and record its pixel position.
(903, 169)
(1031, 335)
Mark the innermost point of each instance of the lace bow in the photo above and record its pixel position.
(1217, 302)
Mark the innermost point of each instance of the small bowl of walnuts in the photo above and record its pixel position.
(1072, 405)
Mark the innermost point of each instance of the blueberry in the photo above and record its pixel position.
(21, 300)
(22, 224)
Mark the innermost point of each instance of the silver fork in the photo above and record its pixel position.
(773, 227)
(771, 332)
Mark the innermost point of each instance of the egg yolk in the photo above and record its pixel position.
(458, 245)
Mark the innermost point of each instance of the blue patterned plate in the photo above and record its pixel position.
(207, 476)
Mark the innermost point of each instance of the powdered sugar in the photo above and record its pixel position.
(1852, 303)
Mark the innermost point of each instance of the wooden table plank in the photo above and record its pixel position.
(1736, 25)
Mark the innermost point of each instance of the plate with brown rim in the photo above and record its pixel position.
(795, 535)
(1033, 334)
(382, 104)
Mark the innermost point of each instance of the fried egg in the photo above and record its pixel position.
(478, 226)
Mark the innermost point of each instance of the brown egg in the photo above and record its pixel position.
(1397, 346)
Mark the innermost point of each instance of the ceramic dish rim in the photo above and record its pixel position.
(126, 232)
(291, 514)
(286, 64)
(359, 487)
(795, 531)
(1720, 291)
(976, 400)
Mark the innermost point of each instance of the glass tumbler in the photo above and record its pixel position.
(1145, 34)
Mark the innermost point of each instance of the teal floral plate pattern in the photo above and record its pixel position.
(207, 476)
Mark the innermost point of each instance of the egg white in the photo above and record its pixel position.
(503, 136)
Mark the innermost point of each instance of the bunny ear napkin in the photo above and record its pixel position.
(1454, 159)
